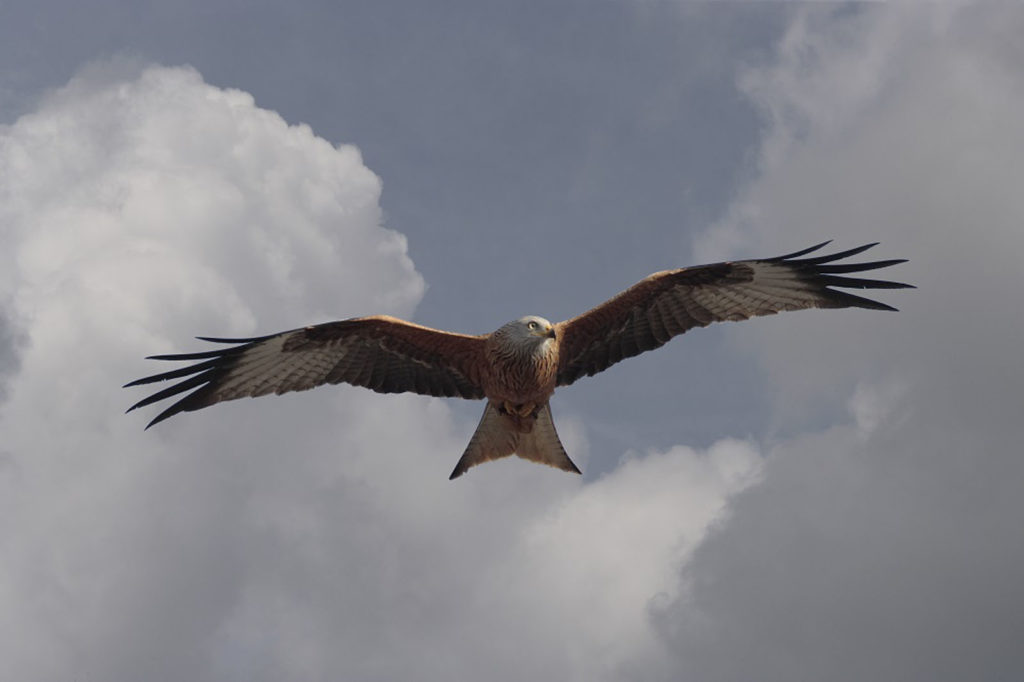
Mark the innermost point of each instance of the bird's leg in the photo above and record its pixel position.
(527, 409)
(523, 410)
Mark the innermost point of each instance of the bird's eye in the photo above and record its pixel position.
(532, 325)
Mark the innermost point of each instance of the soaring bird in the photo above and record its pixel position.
(516, 368)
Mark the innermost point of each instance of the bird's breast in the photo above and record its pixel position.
(522, 378)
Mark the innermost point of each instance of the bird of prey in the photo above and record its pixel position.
(517, 368)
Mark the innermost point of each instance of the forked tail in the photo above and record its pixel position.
(500, 435)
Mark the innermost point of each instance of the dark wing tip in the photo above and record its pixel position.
(219, 339)
(200, 376)
(826, 273)
(801, 252)
(828, 258)
(169, 412)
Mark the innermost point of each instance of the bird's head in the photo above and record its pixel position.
(531, 330)
(537, 326)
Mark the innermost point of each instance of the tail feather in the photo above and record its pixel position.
(494, 438)
(542, 445)
(498, 435)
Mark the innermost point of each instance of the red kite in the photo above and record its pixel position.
(516, 368)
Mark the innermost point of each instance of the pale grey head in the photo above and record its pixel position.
(531, 332)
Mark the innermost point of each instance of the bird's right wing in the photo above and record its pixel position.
(382, 353)
(669, 303)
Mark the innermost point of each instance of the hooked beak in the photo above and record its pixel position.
(551, 332)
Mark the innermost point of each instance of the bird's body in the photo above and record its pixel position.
(517, 368)
(521, 373)
(522, 363)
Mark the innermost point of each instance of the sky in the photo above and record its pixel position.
(817, 495)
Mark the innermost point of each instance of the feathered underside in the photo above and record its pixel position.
(381, 353)
(667, 304)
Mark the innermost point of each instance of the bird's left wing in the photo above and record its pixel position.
(668, 303)
(382, 353)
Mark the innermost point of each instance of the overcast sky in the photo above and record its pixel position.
(822, 495)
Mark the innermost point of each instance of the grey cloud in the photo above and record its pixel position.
(887, 546)
(8, 352)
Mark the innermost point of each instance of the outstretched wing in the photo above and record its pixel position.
(668, 303)
(382, 353)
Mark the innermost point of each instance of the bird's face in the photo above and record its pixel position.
(528, 336)
(534, 326)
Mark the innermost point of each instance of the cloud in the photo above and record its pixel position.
(302, 537)
(887, 544)
(139, 208)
